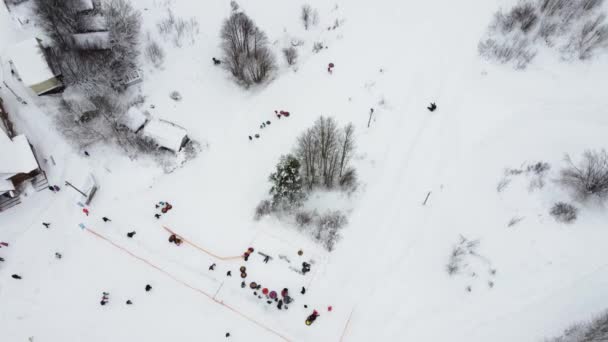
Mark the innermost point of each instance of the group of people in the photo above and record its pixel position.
(105, 298)
(162, 208)
(278, 113)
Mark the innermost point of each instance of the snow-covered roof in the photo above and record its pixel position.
(94, 22)
(133, 119)
(28, 59)
(6, 185)
(84, 5)
(166, 134)
(92, 40)
(77, 102)
(16, 156)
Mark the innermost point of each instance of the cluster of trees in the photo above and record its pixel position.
(321, 161)
(576, 28)
(325, 151)
(246, 51)
(594, 330)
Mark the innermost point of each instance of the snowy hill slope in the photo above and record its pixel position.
(388, 272)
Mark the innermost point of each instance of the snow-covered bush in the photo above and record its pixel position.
(459, 252)
(348, 181)
(595, 330)
(304, 218)
(155, 53)
(325, 152)
(306, 16)
(328, 226)
(317, 46)
(589, 177)
(564, 212)
(291, 55)
(578, 26)
(245, 49)
(178, 29)
(264, 208)
(175, 95)
(286, 190)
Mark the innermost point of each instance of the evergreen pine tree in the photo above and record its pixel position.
(286, 188)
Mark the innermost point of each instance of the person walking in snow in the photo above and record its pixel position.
(212, 267)
(157, 216)
(129, 302)
(58, 255)
(131, 234)
(46, 224)
(148, 288)
(85, 211)
(16, 276)
(303, 291)
(432, 107)
(229, 274)
(105, 219)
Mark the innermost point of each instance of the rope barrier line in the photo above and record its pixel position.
(346, 325)
(187, 285)
(201, 248)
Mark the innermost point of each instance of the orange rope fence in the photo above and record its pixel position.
(201, 248)
(187, 285)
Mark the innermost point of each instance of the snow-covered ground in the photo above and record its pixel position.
(386, 280)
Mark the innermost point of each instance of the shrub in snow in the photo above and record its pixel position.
(286, 182)
(264, 208)
(589, 177)
(325, 152)
(578, 26)
(306, 16)
(234, 6)
(348, 180)
(245, 48)
(564, 212)
(175, 95)
(317, 46)
(155, 53)
(595, 330)
(328, 226)
(178, 29)
(459, 252)
(304, 218)
(291, 55)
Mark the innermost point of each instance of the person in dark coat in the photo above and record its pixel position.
(105, 219)
(16, 276)
(148, 288)
(58, 255)
(46, 224)
(212, 267)
(86, 153)
(216, 61)
(157, 216)
(130, 234)
(432, 107)
(303, 291)
(51, 188)
(227, 334)
(229, 274)
(129, 302)
(250, 138)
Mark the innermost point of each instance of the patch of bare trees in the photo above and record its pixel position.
(575, 28)
(246, 52)
(325, 151)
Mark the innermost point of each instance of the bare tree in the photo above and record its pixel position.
(592, 36)
(245, 47)
(291, 55)
(590, 177)
(306, 15)
(124, 24)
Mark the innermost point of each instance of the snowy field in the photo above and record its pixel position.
(386, 279)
